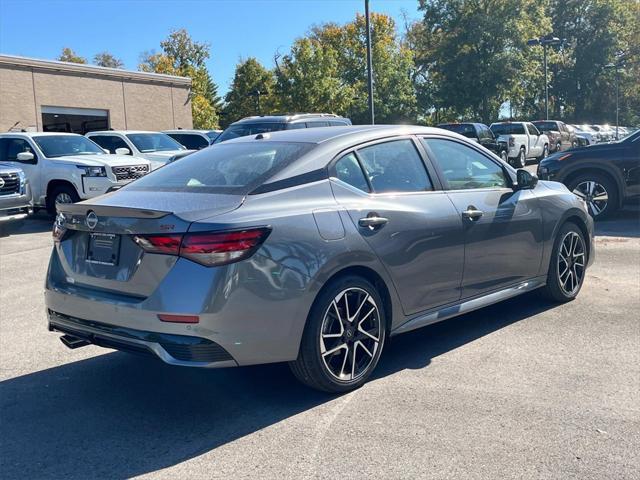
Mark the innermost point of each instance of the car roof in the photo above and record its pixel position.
(190, 130)
(123, 132)
(40, 134)
(289, 118)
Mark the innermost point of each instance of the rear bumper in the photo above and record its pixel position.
(15, 207)
(173, 349)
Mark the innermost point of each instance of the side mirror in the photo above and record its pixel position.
(122, 151)
(525, 180)
(25, 157)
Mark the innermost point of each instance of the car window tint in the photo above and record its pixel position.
(317, 124)
(465, 168)
(11, 147)
(295, 126)
(507, 129)
(335, 123)
(191, 141)
(395, 167)
(532, 129)
(348, 170)
(110, 142)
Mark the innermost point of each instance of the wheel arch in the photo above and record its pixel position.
(590, 168)
(51, 186)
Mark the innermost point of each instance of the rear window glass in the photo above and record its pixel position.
(507, 129)
(235, 168)
(466, 130)
(553, 126)
(244, 129)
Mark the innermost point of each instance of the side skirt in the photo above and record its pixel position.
(444, 313)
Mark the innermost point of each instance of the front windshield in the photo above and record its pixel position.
(154, 142)
(62, 145)
(553, 126)
(244, 129)
(235, 168)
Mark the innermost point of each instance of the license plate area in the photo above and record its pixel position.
(103, 249)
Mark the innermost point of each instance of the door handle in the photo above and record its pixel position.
(372, 221)
(472, 213)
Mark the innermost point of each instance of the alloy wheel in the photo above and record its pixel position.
(595, 194)
(571, 263)
(63, 197)
(350, 334)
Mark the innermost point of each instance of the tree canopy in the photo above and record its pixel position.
(105, 59)
(68, 55)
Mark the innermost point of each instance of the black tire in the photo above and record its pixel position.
(315, 369)
(545, 152)
(521, 160)
(598, 209)
(57, 192)
(556, 288)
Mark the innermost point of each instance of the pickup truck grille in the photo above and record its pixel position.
(10, 183)
(130, 172)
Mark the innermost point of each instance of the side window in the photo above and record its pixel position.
(190, 141)
(317, 124)
(488, 134)
(12, 147)
(532, 129)
(110, 142)
(463, 167)
(335, 123)
(295, 126)
(348, 170)
(395, 167)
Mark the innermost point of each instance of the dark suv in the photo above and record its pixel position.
(560, 137)
(272, 123)
(481, 134)
(604, 175)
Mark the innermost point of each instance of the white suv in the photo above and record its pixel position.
(66, 167)
(156, 147)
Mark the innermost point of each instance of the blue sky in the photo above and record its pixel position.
(235, 28)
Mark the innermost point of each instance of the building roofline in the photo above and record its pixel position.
(80, 68)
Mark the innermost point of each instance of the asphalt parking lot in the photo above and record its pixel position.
(523, 389)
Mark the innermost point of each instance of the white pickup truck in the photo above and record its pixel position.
(66, 167)
(524, 140)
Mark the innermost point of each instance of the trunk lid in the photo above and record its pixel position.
(98, 250)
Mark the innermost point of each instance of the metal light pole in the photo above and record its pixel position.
(369, 64)
(617, 67)
(544, 42)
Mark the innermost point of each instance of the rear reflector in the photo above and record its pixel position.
(179, 318)
(207, 248)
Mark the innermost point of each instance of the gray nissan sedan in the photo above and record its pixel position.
(311, 247)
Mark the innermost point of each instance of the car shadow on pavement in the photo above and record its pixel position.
(36, 223)
(624, 223)
(119, 416)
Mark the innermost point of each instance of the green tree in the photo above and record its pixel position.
(598, 32)
(105, 59)
(252, 83)
(183, 56)
(308, 79)
(69, 55)
(474, 53)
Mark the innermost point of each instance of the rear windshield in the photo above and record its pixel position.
(235, 168)
(244, 129)
(462, 128)
(551, 126)
(507, 129)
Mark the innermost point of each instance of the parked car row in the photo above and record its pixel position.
(62, 168)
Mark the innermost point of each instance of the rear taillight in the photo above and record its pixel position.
(207, 248)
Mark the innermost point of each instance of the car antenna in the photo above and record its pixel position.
(14, 126)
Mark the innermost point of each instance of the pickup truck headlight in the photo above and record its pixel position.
(93, 171)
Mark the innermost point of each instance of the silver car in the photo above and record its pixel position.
(311, 247)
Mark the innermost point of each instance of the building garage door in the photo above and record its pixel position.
(74, 120)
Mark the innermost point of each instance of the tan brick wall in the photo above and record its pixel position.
(16, 99)
(132, 104)
(61, 90)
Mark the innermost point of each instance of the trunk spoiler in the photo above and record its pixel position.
(109, 211)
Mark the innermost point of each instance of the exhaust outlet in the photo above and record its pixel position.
(73, 342)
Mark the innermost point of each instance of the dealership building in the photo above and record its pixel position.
(51, 96)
